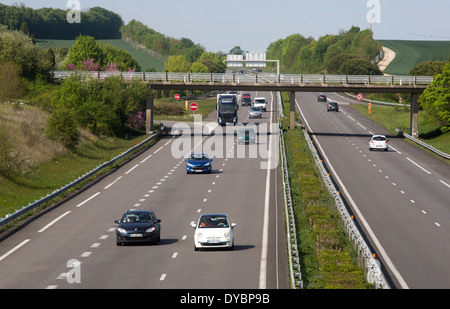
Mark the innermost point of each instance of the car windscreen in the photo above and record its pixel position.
(198, 158)
(213, 221)
(137, 218)
(260, 101)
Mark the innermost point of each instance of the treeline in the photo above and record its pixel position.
(349, 52)
(50, 23)
(160, 43)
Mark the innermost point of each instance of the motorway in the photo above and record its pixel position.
(400, 198)
(73, 245)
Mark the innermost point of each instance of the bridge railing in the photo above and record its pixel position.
(247, 78)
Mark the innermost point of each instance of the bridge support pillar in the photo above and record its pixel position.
(292, 109)
(414, 119)
(149, 116)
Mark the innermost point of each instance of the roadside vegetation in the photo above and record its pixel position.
(327, 258)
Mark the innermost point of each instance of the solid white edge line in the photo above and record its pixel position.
(54, 221)
(265, 236)
(383, 253)
(4, 256)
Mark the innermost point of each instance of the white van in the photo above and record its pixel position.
(260, 102)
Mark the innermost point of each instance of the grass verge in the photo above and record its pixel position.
(51, 167)
(327, 258)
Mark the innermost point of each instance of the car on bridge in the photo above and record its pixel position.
(138, 226)
(333, 106)
(198, 163)
(378, 142)
(213, 230)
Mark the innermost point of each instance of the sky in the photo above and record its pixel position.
(254, 24)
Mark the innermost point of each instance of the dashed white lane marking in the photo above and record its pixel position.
(131, 169)
(163, 276)
(88, 199)
(423, 169)
(54, 221)
(107, 187)
(14, 249)
(443, 182)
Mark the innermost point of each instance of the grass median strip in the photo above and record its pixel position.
(326, 256)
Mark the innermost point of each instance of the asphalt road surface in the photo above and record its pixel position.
(73, 246)
(401, 198)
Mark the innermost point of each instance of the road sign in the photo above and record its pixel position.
(177, 97)
(359, 96)
(193, 107)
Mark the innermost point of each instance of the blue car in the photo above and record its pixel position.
(198, 163)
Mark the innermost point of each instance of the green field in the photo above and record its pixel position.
(145, 61)
(410, 53)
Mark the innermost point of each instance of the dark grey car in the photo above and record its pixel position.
(332, 106)
(138, 226)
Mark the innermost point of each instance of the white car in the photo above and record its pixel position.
(213, 231)
(260, 102)
(378, 142)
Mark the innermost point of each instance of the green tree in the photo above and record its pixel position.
(177, 63)
(86, 48)
(213, 62)
(435, 100)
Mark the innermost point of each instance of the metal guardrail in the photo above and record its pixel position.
(9, 218)
(263, 78)
(417, 141)
(294, 261)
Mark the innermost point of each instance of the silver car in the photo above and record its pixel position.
(255, 112)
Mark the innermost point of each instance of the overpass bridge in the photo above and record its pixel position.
(291, 83)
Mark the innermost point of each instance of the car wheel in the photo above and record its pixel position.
(370, 149)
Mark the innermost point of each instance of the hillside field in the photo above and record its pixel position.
(410, 53)
(145, 60)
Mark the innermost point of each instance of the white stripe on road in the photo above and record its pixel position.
(14, 249)
(54, 221)
(87, 200)
(418, 166)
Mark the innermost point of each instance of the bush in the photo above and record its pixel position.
(62, 126)
(10, 84)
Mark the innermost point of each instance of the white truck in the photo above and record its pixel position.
(260, 102)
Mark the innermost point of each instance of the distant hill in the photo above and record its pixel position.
(410, 53)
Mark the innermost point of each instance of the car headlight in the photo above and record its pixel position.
(189, 164)
(208, 164)
(122, 231)
(150, 229)
(226, 234)
(199, 235)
